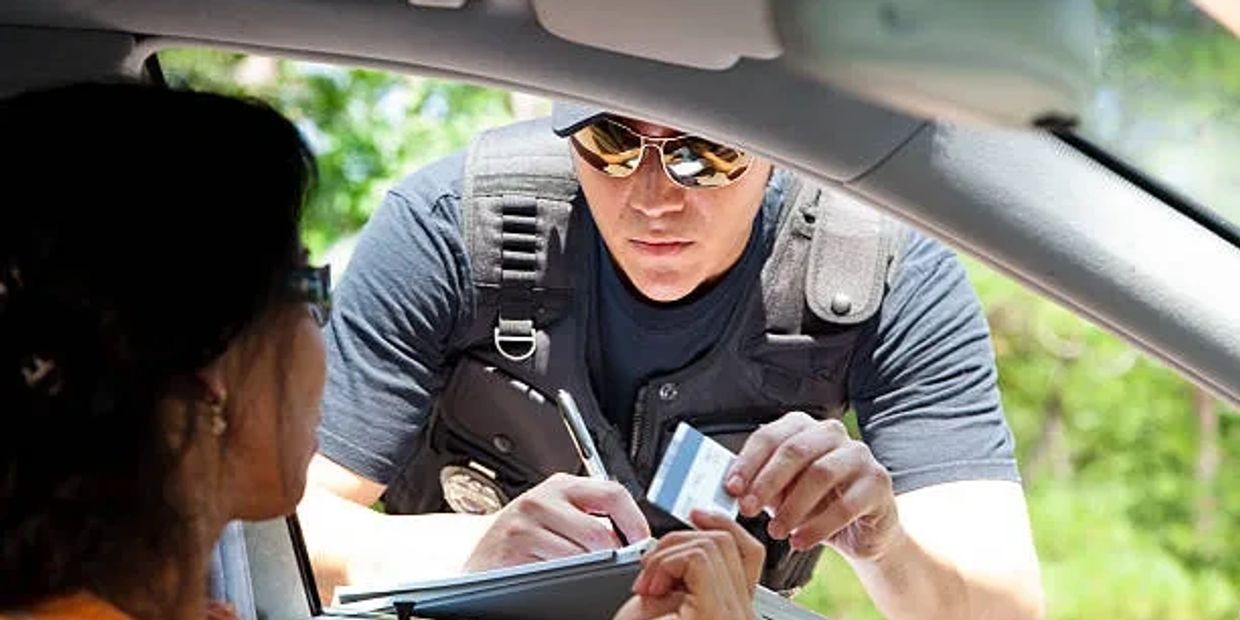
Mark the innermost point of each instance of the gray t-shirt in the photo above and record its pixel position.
(923, 383)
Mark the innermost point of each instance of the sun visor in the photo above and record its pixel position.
(706, 34)
(1005, 62)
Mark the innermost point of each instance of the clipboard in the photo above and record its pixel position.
(606, 575)
(590, 586)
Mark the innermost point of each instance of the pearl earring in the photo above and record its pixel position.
(218, 423)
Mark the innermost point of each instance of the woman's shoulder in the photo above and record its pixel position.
(80, 606)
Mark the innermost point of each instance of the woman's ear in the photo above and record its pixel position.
(213, 387)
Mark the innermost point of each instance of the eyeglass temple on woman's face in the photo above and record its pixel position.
(312, 284)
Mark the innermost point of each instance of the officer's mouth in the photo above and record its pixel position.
(659, 247)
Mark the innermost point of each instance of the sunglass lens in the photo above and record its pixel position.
(609, 147)
(696, 162)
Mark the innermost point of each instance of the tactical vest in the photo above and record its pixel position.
(495, 429)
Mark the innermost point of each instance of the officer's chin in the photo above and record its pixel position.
(665, 288)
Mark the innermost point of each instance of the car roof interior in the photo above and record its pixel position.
(783, 79)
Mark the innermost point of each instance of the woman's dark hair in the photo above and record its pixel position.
(142, 231)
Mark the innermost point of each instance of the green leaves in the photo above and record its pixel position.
(367, 128)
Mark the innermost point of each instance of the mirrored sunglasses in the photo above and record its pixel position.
(689, 161)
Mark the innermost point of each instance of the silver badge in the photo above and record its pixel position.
(468, 490)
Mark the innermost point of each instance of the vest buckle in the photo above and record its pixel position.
(515, 339)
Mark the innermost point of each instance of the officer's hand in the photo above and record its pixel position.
(819, 484)
(698, 574)
(558, 518)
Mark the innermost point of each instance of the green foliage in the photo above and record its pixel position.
(1170, 97)
(366, 128)
(1103, 563)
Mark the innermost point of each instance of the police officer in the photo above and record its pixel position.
(661, 278)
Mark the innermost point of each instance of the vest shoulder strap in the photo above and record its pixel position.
(833, 255)
(851, 259)
(518, 193)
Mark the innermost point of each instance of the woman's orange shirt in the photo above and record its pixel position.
(76, 607)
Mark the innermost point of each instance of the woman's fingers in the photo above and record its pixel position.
(218, 610)
(752, 553)
(712, 571)
(652, 608)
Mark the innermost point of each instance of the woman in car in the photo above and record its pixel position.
(161, 362)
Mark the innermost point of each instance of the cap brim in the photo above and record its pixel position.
(567, 118)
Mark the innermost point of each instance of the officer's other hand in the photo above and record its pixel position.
(702, 574)
(558, 518)
(819, 485)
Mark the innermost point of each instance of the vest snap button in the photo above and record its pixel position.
(502, 443)
(841, 304)
(668, 391)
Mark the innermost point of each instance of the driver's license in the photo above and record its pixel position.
(691, 476)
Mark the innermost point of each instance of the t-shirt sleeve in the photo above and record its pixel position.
(923, 379)
(396, 310)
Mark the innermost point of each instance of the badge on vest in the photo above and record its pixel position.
(471, 489)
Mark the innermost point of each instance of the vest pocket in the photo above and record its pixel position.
(802, 371)
(489, 417)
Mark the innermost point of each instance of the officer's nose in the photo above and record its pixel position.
(653, 194)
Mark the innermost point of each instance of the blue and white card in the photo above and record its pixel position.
(691, 475)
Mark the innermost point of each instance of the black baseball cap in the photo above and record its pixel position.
(567, 118)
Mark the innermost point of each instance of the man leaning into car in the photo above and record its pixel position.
(661, 278)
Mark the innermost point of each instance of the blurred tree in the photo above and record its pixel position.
(1169, 98)
(367, 128)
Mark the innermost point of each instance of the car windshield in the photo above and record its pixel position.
(1168, 101)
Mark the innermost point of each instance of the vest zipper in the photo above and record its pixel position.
(639, 420)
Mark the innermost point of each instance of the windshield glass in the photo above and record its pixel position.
(1169, 98)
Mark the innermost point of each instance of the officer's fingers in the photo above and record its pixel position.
(854, 501)
(759, 447)
(555, 513)
(515, 542)
(549, 545)
(611, 499)
(815, 483)
(788, 461)
(752, 552)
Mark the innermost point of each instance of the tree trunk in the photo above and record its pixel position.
(1051, 453)
(1208, 458)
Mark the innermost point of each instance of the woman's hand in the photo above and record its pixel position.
(705, 574)
(218, 610)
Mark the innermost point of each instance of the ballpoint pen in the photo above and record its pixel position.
(585, 446)
(581, 436)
